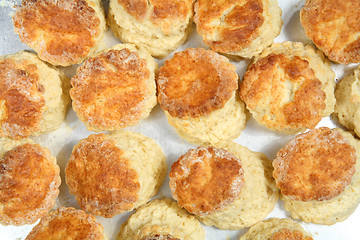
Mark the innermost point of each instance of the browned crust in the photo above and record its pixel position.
(333, 26)
(287, 234)
(206, 179)
(316, 165)
(69, 222)
(195, 82)
(21, 98)
(29, 181)
(265, 86)
(61, 32)
(101, 179)
(110, 91)
(238, 23)
(161, 13)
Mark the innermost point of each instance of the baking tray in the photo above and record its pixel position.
(255, 137)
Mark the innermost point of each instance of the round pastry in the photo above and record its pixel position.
(277, 229)
(29, 181)
(161, 219)
(62, 32)
(113, 173)
(318, 174)
(241, 28)
(289, 88)
(158, 26)
(334, 27)
(114, 89)
(33, 96)
(68, 224)
(196, 89)
(229, 187)
(347, 107)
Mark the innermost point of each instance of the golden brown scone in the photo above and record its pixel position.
(289, 88)
(161, 219)
(334, 27)
(33, 96)
(62, 32)
(206, 179)
(29, 181)
(316, 165)
(241, 28)
(195, 89)
(156, 25)
(277, 229)
(67, 224)
(115, 89)
(347, 107)
(113, 173)
(229, 186)
(316, 173)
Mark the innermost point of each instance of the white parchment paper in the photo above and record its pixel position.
(255, 137)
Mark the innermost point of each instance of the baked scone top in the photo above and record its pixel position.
(109, 91)
(285, 91)
(101, 179)
(22, 102)
(334, 27)
(233, 23)
(206, 179)
(287, 234)
(69, 222)
(61, 32)
(195, 82)
(161, 13)
(316, 165)
(29, 181)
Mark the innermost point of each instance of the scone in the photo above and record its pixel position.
(115, 89)
(229, 187)
(29, 181)
(289, 87)
(277, 229)
(113, 173)
(156, 25)
(197, 89)
(33, 96)
(62, 32)
(161, 219)
(334, 27)
(67, 223)
(241, 27)
(347, 107)
(318, 174)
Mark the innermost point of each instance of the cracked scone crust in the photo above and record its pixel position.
(33, 96)
(161, 219)
(113, 173)
(347, 107)
(334, 27)
(29, 181)
(242, 28)
(277, 229)
(61, 32)
(156, 25)
(115, 89)
(328, 193)
(229, 186)
(70, 223)
(289, 88)
(195, 88)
